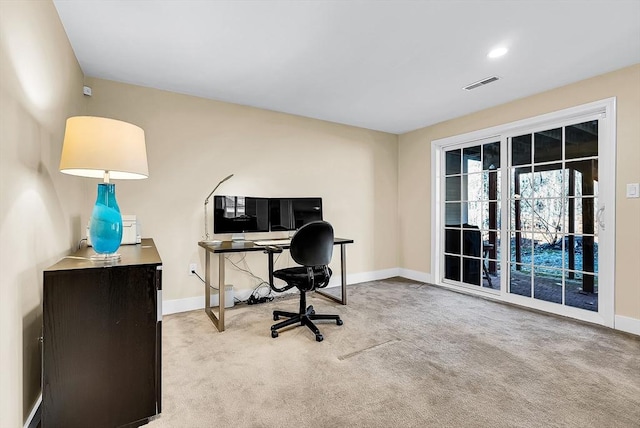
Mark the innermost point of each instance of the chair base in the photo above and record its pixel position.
(305, 318)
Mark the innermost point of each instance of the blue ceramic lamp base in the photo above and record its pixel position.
(105, 227)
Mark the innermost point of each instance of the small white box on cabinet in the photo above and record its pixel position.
(130, 233)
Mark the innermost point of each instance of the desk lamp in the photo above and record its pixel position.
(206, 202)
(98, 147)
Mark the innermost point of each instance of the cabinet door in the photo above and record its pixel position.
(100, 359)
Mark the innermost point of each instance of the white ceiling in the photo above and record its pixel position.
(393, 66)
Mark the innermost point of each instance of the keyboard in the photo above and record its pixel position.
(278, 242)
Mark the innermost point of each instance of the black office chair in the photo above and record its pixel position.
(311, 247)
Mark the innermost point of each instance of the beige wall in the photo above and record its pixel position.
(193, 143)
(415, 167)
(40, 86)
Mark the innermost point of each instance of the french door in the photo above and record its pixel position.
(520, 214)
(472, 220)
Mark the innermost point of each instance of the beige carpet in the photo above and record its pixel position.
(408, 355)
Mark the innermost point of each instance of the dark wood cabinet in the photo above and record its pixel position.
(102, 339)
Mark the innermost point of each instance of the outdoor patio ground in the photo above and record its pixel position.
(548, 289)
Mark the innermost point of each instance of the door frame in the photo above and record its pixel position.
(605, 111)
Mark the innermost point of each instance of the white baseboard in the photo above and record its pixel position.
(357, 278)
(627, 324)
(415, 275)
(184, 305)
(194, 303)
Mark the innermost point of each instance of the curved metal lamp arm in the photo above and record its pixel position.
(206, 202)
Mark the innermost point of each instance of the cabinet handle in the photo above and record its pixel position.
(159, 306)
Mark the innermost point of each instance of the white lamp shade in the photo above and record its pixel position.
(95, 145)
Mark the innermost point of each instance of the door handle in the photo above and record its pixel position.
(600, 217)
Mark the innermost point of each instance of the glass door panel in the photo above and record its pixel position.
(472, 183)
(552, 207)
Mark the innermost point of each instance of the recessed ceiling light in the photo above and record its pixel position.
(498, 52)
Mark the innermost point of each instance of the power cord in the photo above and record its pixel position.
(247, 271)
(80, 242)
(256, 295)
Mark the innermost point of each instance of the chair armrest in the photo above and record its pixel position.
(270, 250)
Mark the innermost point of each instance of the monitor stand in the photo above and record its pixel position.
(238, 237)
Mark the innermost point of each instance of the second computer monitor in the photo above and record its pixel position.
(293, 213)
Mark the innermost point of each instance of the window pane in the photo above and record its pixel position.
(474, 214)
(521, 247)
(574, 296)
(547, 216)
(491, 245)
(453, 190)
(548, 145)
(547, 181)
(490, 216)
(581, 140)
(585, 176)
(589, 254)
(521, 150)
(453, 214)
(584, 256)
(471, 159)
(491, 274)
(491, 182)
(474, 185)
(452, 268)
(491, 159)
(471, 271)
(452, 160)
(452, 241)
(581, 216)
(547, 249)
(547, 284)
(521, 215)
(522, 182)
(472, 242)
(520, 280)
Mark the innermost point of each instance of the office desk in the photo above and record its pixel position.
(226, 247)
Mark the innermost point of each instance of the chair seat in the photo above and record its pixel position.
(298, 276)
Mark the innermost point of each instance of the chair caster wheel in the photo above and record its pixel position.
(276, 317)
(339, 322)
(274, 334)
(319, 338)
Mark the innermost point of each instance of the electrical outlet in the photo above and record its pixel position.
(192, 268)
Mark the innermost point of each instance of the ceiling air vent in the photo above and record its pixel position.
(480, 83)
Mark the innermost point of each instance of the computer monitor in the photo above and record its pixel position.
(293, 213)
(240, 214)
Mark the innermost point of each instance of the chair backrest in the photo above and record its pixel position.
(312, 245)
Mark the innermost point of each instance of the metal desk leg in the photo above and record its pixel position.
(207, 285)
(343, 272)
(221, 290)
(219, 320)
(343, 278)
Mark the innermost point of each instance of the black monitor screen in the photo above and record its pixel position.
(293, 213)
(239, 214)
